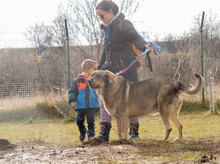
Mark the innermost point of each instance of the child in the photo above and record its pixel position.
(84, 100)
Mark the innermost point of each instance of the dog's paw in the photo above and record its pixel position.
(177, 140)
(163, 140)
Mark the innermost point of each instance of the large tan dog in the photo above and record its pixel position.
(126, 99)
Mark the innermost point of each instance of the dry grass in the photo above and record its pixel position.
(28, 102)
(201, 133)
(39, 107)
(19, 103)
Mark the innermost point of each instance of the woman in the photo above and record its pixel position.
(117, 55)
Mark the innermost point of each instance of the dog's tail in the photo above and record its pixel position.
(196, 88)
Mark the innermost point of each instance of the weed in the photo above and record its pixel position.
(68, 120)
(30, 121)
(192, 106)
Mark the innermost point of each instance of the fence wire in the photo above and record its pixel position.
(27, 72)
(22, 76)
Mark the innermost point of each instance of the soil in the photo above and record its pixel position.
(6, 145)
(88, 152)
(85, 153)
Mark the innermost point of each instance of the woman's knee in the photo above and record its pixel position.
(134, 120)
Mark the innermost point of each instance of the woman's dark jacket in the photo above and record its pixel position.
(116, 52)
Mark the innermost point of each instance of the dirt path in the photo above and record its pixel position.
(113, 152)
(78, 154)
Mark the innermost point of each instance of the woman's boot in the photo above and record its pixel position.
(105, 130)
(133, 132)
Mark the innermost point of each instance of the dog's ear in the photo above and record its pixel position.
(109, 76)
(106, 80)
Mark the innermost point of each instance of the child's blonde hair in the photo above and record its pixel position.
(88, 64)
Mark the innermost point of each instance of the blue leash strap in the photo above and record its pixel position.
(156, 50)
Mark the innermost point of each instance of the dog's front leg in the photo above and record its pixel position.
(119, 127)
(124, 127)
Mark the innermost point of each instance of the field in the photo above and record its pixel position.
(56, 140)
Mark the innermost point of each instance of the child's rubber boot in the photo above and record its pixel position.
(82, 135)
(91, 134)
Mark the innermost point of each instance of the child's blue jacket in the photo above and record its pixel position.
(80, 93)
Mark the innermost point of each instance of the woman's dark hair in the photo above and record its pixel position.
(106, 5)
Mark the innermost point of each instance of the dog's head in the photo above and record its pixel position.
(101, 79)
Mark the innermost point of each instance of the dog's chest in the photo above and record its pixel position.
(110, 109)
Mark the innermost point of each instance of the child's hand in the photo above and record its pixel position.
(73, 104)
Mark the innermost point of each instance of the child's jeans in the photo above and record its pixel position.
(80, 118)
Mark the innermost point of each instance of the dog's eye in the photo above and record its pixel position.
(98, 76)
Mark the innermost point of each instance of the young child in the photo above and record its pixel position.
(84, 100)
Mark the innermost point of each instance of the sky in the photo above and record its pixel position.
(161, 17)
(157, 17)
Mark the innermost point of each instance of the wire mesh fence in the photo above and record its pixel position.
(24, 73)
(21, 76)
(27, 72)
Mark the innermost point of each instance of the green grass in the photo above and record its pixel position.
(200, 134)
(192, 106)
(201, 131)
(48, 131)
(197, 123)
(196, 126)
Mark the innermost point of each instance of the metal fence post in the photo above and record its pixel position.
(202, 69)
(68, 52)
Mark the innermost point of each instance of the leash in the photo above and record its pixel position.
(156, 50)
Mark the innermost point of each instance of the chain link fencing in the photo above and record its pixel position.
(30, 72)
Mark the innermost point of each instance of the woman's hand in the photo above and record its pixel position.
(147, 46)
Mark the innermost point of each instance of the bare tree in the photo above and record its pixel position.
(40, 36)
(58, 28)
(211, 34)
(84, 24)
(180, 57)
(86, 39)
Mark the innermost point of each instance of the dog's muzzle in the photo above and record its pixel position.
(92, 85)
(90, 82)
